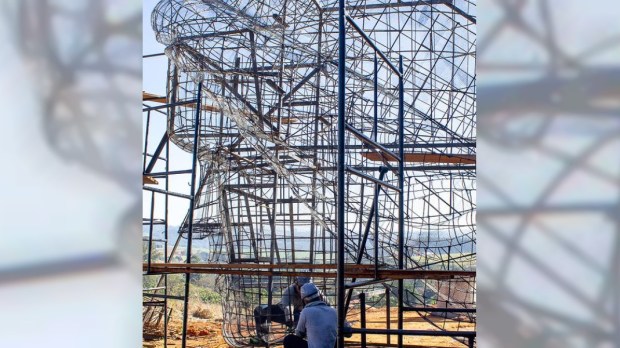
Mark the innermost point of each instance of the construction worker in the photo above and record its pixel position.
(317, 322)
(279, 313)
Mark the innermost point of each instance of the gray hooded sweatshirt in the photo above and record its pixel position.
(318, 322)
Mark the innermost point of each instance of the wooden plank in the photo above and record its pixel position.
(153, 97)
(210, 108)
(204, 107)
(424, 157)
(285, 120)
(149, 180)
(383, 274)
(247, 194)
(297, 265)
(146, 96)
(320, 271)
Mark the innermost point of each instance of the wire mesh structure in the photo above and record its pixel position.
(259, 81)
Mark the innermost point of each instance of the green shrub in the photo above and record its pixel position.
(209, 296)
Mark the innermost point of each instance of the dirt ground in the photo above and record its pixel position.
(207, 333)
(376, 318)
(203, 332)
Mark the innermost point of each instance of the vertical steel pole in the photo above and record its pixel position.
(388, 320)
(376, 99)
(362, 297)
(172, 87)
(376, 244)
(401, 197)
(315, 161)
(148, 268)
(167, 187)
(341, 169)
(146, 140)
(375, 207)
(190, 219)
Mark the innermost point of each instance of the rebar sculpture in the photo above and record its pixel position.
(264, 77)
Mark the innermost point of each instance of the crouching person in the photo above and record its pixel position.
(318, 322)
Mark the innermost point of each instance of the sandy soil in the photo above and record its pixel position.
(201, 333)
(376, 318)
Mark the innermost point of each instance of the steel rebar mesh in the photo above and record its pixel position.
(268, 141)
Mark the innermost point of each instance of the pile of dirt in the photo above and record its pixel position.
(202, 313)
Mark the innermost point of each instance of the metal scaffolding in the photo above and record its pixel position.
(335, 139)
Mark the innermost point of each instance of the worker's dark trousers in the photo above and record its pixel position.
(294, 341)
(275, 313)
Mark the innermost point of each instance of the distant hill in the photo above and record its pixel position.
(158, 233)
(440, 244)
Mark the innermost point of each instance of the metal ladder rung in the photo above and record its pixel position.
(364, 283)
(190, 135)
(152, 189)
(164, 175)
(188, 103)
(155, 221)
(253, 186)
(154, 240)
(372, 178)
(164, 296)
(240, 224)
(440, 310)
(247, 194)
(204, 205)
(302, 103)
(153, 303)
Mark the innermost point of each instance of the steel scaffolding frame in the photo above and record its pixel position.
(283, 193)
